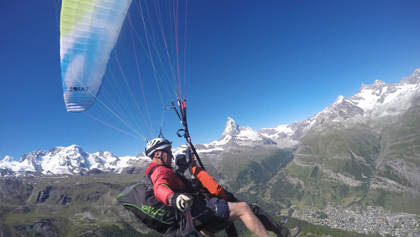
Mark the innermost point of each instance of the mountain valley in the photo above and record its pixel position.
(359, 155)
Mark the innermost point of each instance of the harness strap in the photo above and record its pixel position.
(147, 176)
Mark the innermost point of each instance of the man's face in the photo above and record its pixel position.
(167, 156)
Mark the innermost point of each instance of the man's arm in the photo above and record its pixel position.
(209, 182)
(161, 180)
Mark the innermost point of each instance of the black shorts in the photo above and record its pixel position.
(219, 206)
(208, 212)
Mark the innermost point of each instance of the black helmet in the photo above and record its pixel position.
(156, 145)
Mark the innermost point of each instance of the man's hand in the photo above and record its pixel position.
(180, 200)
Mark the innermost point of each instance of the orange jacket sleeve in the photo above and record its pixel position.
(208, 182)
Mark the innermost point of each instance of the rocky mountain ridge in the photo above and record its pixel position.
(363, 149)
(359, 152)
(70, 160)
(377, 102)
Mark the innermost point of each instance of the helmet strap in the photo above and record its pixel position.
(160, 157)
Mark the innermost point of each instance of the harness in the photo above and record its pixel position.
(210, 220)
(140, 200)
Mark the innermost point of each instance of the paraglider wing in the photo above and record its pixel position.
(88, 32)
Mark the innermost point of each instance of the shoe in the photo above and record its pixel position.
(294, 232)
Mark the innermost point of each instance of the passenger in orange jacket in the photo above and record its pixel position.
(217, 190)
(209, 183)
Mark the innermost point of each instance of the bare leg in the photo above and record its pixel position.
(207, 233)
(241, 210)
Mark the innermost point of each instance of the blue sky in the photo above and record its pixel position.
(262, 63)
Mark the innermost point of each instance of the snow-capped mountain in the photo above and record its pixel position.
(7, 159)
(371, 102)
(377, 101)
(235, 135)
(70, 160)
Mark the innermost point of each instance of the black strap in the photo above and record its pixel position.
(183, 117)
(149, 179)
(147, 176)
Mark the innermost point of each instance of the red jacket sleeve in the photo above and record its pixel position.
(165, 181)
(208, 182)
(161, 178)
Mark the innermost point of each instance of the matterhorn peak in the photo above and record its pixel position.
(231, 128)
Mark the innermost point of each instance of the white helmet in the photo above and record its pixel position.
(156, 145)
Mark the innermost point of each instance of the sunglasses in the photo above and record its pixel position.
(167, 151)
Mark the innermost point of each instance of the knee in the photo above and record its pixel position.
(238, 210)
(243, 206)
